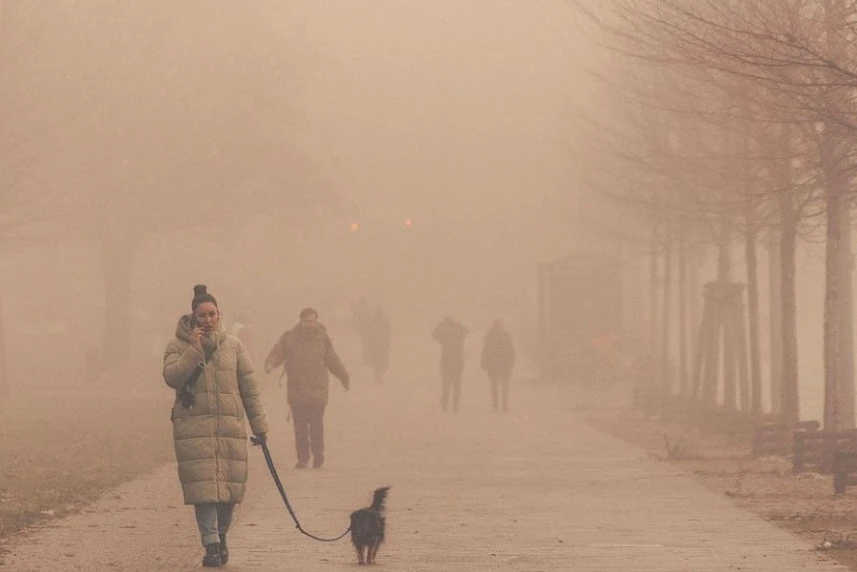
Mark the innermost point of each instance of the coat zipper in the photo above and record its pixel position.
(216, 432)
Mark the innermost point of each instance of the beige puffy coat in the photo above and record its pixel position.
(210, 438)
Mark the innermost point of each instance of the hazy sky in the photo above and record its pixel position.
(441, 109)
(454, 114)
(457, 114)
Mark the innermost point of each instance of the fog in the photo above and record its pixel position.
(426, 156)
(236, 145)
(655, 197)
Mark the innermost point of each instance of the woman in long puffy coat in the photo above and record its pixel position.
(216, 392)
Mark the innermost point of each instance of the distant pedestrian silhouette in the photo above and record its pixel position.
(498, 359)
(378, 344)
(450, 334)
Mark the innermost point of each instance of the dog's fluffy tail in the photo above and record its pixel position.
(378, 499)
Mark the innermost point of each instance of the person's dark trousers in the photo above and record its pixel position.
(309, 433)
(500, 384)
(451, 385)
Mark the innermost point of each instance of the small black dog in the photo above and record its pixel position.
(367, 527)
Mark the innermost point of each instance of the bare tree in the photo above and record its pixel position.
(796, 57)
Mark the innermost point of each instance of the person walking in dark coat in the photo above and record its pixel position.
(379, 337)
(450, 334)
(307, 354)
(498, 359)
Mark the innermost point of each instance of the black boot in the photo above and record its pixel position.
(212, 556)
(224, 551)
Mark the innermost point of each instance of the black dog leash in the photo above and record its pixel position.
(282, 490)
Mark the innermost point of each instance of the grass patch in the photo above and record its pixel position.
(60, 450)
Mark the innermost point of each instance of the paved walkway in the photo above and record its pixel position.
(535, 489)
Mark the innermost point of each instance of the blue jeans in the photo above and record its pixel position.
(213, 520)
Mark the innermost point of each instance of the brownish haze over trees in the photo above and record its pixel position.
(730, 129)
(275, 152)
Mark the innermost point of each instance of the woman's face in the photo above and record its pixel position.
(207, 316)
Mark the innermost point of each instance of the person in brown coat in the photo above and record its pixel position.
(307, 354)
(216, 392)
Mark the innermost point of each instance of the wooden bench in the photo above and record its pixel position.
(772, 438)
(844, 470)
(815, 450)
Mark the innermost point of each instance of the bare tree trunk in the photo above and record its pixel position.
(741, 348)
(724, 251)
(751, 393)
(666, 377)
(832, 310)
(684, 388)
(712, 318)
(787, 215)
(724, 278)
(753, 319)
(847, 332)
(838, 369)
(700, 363)
(775, 303)
(653, 292)
(730, 349)
(788, 251)
(694, 298)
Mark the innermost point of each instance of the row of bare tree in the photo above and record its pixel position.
(728, 123)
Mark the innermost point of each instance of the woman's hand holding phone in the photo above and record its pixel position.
(196, 337)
